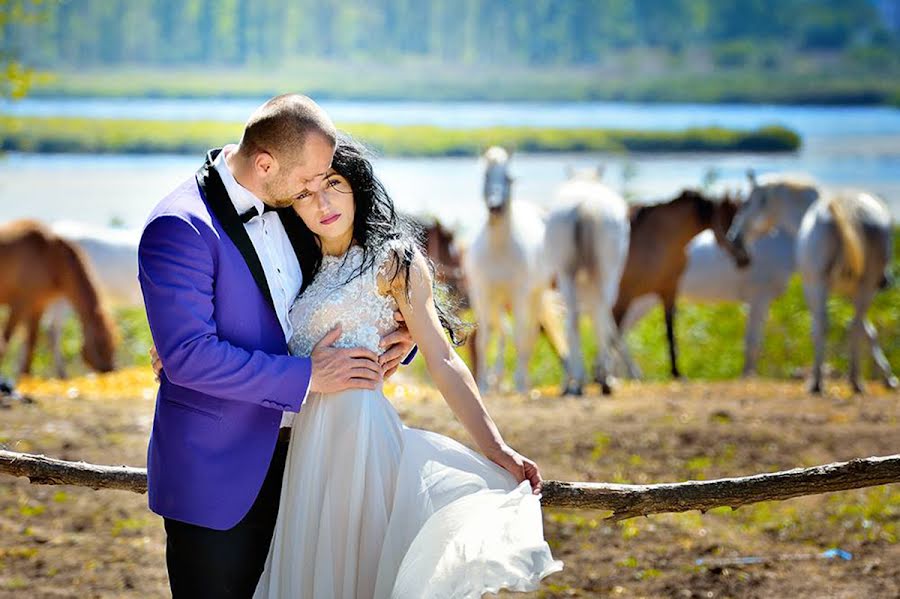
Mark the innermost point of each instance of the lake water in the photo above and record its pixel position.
(843, 146)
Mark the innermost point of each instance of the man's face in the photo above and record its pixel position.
(303, 176)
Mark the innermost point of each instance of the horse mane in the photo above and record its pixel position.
(792, 181)
(843, 212)
(704, 205)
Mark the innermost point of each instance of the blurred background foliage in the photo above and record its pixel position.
(789, 50)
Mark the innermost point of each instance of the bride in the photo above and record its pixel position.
(369, 506)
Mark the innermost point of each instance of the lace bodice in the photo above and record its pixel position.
(363, 313)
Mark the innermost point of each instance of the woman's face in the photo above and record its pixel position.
(329, 212)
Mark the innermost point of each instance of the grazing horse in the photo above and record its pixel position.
(38, 268)
(587, 244)
(844, 243)
(113, 254)
(506, 267)
(657, 254)
(712, 276)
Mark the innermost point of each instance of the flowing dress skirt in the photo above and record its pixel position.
(371, 508)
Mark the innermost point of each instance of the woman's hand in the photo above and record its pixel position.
(518, 465)
(398, 345)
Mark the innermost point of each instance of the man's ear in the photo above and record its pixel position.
(265, 164)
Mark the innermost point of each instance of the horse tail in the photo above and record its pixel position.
(585, 235)
(550, 318)
(851, 242)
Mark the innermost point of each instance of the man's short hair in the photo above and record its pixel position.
(281, 125)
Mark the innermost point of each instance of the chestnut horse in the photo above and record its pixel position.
(657, 257)
(38, 268)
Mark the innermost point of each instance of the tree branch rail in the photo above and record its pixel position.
(624, 501)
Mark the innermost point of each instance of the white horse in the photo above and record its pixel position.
(844, 242)
(113, 254)
(587, 245)
(506, 268)
(712, 276)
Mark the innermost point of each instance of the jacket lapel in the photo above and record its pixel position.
(213, 191)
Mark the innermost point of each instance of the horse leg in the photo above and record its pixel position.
(605, 331)
(816, 293)
(525, 333)
(890, 381)
(574, 383)
(31, 333)
(483, 313)
(856, 333)
(756, 321)
(12, 322)
(501, 325)
(669, 305)
(57, 314)
(618, 315)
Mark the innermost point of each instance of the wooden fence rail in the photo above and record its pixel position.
(624, 501)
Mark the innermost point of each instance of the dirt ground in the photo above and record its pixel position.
(72, 542)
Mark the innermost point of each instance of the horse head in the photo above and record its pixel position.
(99, 341)
(497, 180)
(723, 217)
(442, 248)
(753, 219)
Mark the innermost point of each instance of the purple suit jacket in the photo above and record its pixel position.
(227, 376)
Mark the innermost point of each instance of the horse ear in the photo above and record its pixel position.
(751, 176)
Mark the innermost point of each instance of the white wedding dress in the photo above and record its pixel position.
(373, 508)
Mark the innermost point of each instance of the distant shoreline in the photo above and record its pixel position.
(127, 136)
(381, 83)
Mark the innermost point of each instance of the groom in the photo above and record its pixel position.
(218, 273)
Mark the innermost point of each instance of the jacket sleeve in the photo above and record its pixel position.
(175, 270)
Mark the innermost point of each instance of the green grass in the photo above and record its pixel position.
(625, 79)
(46, 135)
(710, 339)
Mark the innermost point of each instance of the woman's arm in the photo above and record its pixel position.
(450, 373)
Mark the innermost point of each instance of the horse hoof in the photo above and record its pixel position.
(573, 390)
(815, 388)
(858, 389)
(891, 383)
(605, 389)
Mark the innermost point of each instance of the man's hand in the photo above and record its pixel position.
(398, 344)
(335, 369)
(518, 465)
(155, 362)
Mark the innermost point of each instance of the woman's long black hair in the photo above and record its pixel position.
(376, 225)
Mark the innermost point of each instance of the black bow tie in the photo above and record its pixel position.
(253, 212)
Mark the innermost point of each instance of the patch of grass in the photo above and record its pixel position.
(55, 135)
(430, 81)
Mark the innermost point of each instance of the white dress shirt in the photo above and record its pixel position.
(279, 262)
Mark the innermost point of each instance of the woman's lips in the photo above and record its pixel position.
(330, 219)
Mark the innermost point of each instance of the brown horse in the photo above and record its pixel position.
(446, 255)
(656, 255)
(38, 268)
